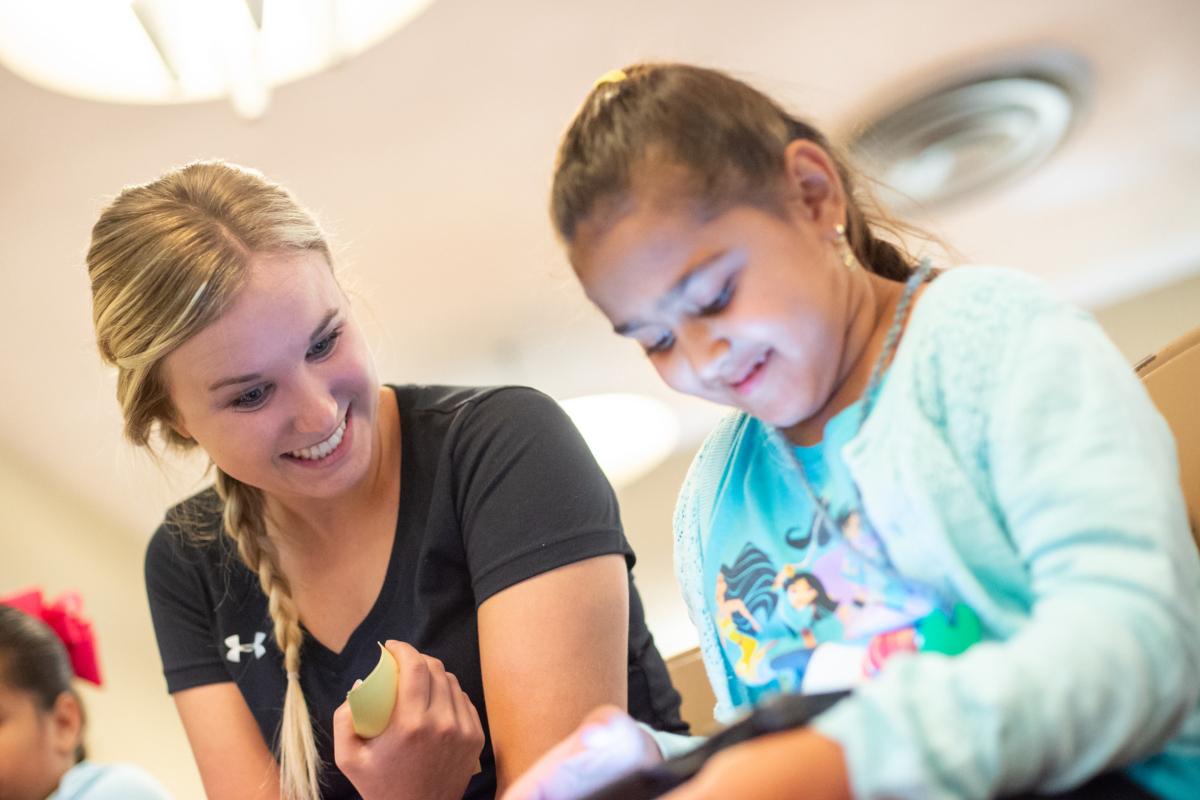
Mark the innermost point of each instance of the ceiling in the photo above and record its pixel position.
(428, 159)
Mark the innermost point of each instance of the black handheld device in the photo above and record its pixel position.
(781, 713)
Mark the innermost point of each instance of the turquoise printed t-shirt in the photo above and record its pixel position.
(808, 602)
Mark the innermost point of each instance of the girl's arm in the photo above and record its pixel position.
(552, 648)
(233, 760)
(1099, 671)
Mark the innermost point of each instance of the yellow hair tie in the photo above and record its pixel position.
(612, 76)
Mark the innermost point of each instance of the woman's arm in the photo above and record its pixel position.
(552, 648)
(230, 752)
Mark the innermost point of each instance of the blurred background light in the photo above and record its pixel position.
(629, 434)
(178, 51)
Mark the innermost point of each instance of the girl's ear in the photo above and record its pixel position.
(66, 725)
(813, 178)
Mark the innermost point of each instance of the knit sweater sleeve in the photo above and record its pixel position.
(692, 514)
(1083, 474)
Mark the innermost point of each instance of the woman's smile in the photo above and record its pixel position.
(328, 452)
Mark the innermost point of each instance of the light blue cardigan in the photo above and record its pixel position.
(1012, 461)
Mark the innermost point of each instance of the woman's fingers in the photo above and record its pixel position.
(413, 682)
(441, 702)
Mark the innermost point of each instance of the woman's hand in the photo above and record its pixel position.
(430, 748)
(799, 763)
(606, 746)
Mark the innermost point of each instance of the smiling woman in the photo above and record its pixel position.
(345, 513)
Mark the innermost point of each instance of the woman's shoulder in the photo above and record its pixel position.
(498, 401)
(190, 531)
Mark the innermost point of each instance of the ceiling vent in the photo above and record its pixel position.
(970, 134)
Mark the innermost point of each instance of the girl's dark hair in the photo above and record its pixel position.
(728, 137)
(34, 660)
(749, 580)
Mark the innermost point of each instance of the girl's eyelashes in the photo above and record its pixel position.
(660, 345)
(252, 399)
(718, 303)
(323, 348)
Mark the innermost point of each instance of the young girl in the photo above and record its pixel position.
(346, 513)
(981, 487)
(42, 755)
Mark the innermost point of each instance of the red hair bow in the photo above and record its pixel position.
(65, 617)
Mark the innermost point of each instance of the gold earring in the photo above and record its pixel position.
(843, 244)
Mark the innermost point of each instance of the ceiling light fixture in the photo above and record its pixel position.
(629, 434)
(177, 51)
(971, 133)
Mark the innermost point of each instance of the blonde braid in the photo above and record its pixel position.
(167, 259)
(245, 522)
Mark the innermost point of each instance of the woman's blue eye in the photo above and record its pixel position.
(720, 301)
(252, 399)
(323, 348)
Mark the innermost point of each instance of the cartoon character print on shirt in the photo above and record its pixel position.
(825, 619)
(742, 589)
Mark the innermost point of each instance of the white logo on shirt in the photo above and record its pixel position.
(236, 648)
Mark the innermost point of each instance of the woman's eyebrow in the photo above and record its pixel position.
(254, 376)
(329, 315)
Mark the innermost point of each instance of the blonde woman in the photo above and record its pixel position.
(346, 512)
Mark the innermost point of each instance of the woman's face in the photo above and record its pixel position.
(749, 309)
(34, 747)
(281, 391)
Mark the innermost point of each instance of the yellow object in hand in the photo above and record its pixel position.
(373, 698)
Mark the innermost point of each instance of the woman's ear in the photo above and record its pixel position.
(177, 426)
(813, 179)
(66, 725)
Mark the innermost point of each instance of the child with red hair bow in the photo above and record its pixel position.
(42, 757)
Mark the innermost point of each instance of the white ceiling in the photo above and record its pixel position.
(428, 159)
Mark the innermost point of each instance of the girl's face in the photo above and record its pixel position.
(749, 309)
(281, 391)
(36, 746)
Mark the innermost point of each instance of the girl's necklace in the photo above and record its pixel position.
(920, 275)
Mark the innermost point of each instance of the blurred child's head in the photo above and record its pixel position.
(724, 235)
(41, 716)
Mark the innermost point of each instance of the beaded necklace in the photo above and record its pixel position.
(923, 273)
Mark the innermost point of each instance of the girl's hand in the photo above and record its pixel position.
(606, 746)
(800, 763)
(430, 748)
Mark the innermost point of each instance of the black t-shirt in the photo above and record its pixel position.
(496, 486)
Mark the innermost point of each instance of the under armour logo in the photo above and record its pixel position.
(236, 648)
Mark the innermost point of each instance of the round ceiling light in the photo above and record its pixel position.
(167, 51)
(972, 134)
